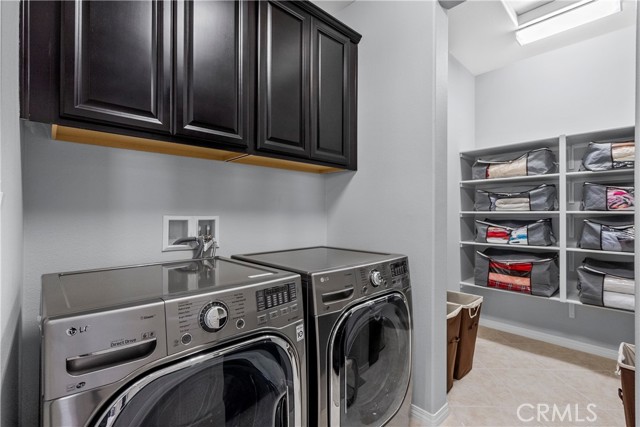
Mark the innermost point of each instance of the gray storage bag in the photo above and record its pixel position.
(608, 234)
(604, 156)
(540, 198)
(535, 274)
(604, 197)
(534, 233)
(607, 284)
(535, 162)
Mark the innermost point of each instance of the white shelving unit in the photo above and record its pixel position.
(567, 221)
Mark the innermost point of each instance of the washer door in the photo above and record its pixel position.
(370, 356)
(255, 383)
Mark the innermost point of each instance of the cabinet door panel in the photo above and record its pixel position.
(284, 79)
(330, 95)
(116, 62)
(214, 69)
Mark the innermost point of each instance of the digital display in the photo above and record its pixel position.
(273, 297)
(399, 268)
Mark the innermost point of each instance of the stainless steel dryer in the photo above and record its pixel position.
(358, 317)
(176, 344)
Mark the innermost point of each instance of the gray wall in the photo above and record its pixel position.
(460, 136)
(389, 204)
(87, 207)
(582, 87)
(10, 214)
(579, 88)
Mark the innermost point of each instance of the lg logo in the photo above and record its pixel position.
(73, 330)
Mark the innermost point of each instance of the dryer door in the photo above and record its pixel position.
(255, 383)
(370, 356)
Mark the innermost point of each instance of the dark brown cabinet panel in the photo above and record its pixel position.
(116, 62)
(214, 69)
(332, 88)
(273, 80)
(283, 124)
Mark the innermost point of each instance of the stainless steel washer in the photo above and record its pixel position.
(358, 317)
(178, 344)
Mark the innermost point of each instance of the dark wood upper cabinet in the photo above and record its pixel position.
(333, 86)
(283, 124)
(116, 62)
(214, 70)
(250, 79)
(307, 79)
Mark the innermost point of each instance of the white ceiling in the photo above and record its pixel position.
(481, 34)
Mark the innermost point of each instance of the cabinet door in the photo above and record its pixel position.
(214, 71)
(283, 125)
(331, 85)
(116, 62)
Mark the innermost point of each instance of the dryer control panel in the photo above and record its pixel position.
(209, 318)
(334, 290)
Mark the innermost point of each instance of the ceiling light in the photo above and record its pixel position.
(553, 25)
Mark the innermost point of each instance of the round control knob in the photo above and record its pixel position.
(213, 316)
(375, 277)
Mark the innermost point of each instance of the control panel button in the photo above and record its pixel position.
(213, 316)
(273, 315)
(262, 319)
(284, 311)
(294, 307)
(186, 339)
(365, 289)
(375, 277)
(240, 323)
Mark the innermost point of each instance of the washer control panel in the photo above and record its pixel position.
(207, 318)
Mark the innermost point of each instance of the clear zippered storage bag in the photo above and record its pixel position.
(540, 198)
(607, 197)
(534, 274)
(604, 156)
(532, 233)
(535, 162)
(607, 284)
(610, 234)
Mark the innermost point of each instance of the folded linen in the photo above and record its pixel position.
(513, 204)
(619, 285)
(505, 170)
(623, 152)
(618, 300)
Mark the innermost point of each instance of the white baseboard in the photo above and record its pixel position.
(425, 418)
(551, 339)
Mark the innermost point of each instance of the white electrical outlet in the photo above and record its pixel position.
(175, 227)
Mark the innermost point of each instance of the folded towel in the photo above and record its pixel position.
(511, 280)
(619, 285)
(617, 300)
(513, 204)
(504, 170)
(623, 152)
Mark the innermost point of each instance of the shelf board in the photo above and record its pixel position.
(572, 298)
(596, 251)
(469, 282)
(503, 245)
(598, 213)
(545, 178)
(599, 174)
(510, 213)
